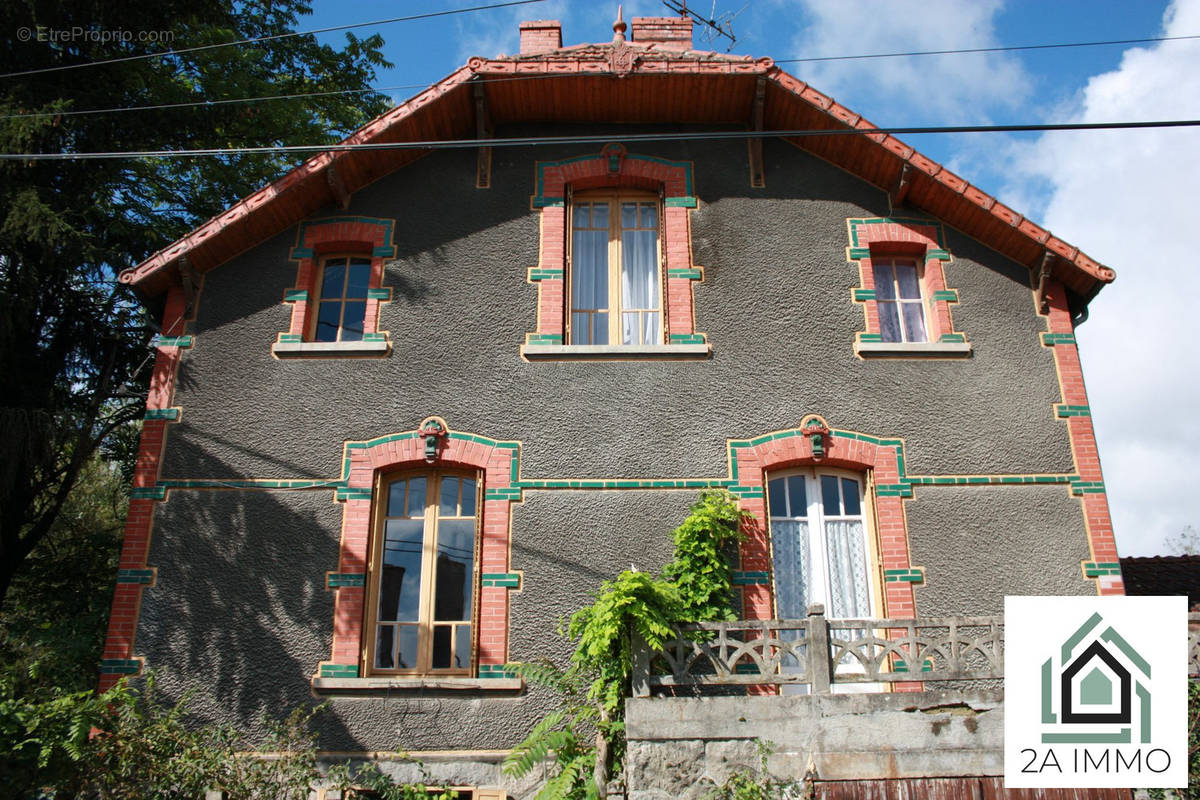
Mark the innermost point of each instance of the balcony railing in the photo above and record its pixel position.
(818, 653)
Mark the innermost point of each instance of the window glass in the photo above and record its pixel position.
(342, 308)
(898, 300)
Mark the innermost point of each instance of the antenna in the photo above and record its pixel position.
(713, 27)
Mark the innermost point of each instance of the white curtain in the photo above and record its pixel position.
(793, 576)
(589, 285)
(639, 275)
(846, 551)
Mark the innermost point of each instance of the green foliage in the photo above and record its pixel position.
(743, 785)
(1192, 790)
(368, 780)
(696, 586)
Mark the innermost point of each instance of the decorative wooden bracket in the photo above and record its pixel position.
(1044, 276)
(483, 130)
(337, 185)
(758, 177)
(190, 281)
(899, 193)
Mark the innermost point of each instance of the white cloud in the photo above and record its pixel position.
(1126, 198)
(949, 88)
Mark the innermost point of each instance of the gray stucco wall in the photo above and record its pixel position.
(240, 609)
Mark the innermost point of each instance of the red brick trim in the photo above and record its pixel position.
(127, 599)
(614, 168)
(1097, 519)
(495, 462)
(342, 235)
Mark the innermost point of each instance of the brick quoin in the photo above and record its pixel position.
(1096, 515)
(756, 462)
(135, 546)
(350, 602)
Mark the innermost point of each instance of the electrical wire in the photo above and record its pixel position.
(385, 89)
(529, 141)
(1010, 49)
(275, 37)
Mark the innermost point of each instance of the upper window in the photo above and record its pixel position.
(423, 571)
(342, 304)
(898, 297)
(820, 547)
(615, 278)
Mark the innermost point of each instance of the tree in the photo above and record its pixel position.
(1186, 542)
(74, 345)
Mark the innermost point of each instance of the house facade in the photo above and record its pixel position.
(411, 405)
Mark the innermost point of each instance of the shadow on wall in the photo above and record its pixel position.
(240, 614)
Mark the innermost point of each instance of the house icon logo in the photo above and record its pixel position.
(1102, 695)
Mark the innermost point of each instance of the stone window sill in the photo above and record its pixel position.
(913, 349)
(415, 685)
(329, 349)
(607, 352)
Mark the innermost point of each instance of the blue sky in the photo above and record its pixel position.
(1123, 197)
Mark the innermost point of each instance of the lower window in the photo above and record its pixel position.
(423, 573)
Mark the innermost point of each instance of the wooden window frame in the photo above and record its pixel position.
(614, 198)
(425, 622)
(310, 335)
(891, 261)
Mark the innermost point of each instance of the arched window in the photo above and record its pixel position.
(423, 570)
(820, 545)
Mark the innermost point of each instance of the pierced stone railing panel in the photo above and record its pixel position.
(738, 652)
(927, 649)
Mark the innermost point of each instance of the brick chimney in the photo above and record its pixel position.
(540, 36)
(669, 33)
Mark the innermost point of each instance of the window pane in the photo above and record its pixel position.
(639, 270)
(798, 496)
(600, 215)
(847, 570)
(441, 646)
(914, 322)
(580, 332)
(406, 641)
(416, 496)
(630, 331)
(629, 215)
(328, 320)
(589, 277)
(360, 278)
(649, 215)
(334, 279)
(850, 497)
(885, 289)
(455, 569)
(468, 497)
(448, 505)
(400, 576)
(829, 496)
(792, 572)
(383, 647)
(906, 276)
(651, 334)
(395, 506)
(889, 322)
(583, 215)
(462, 647)
(352, 322)
(600, 328)
(776, 502)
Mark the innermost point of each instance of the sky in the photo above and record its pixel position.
(1123, 197)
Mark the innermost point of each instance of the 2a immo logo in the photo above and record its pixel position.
(1095, 691)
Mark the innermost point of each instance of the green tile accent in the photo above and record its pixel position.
(335, 579)
(945, 295)
(339, 671)
(379, 294)
(374, 337)
(743, 578)
(901, 666)
(691, 273)
(386, 251)
(301, 252)
(687, 338)
(295, 295)
(1087, 487)
(913, 575)
(120, 666)
(1065, 410)
(859, 252)
(1050, 339)
(507, 580)
(540, 200)
(925, 221)
(745, 669)
(685, 201)
(746, 491)
(175, 341)
(171, 414)
(545, 338)
(952, 337)
(548, 202)
(290, 337)
(894, 489)
(863, 294)
(148, 493)
(538, 274)
(507, 493)
(140, 576)
(346, 493)
(870, 337)
(383, 252)
(937, 255)
(1094, 569)
(495, 671)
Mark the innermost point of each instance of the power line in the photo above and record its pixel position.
(529, 141)
(268, 38)
(384, 89)
(986, 49)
